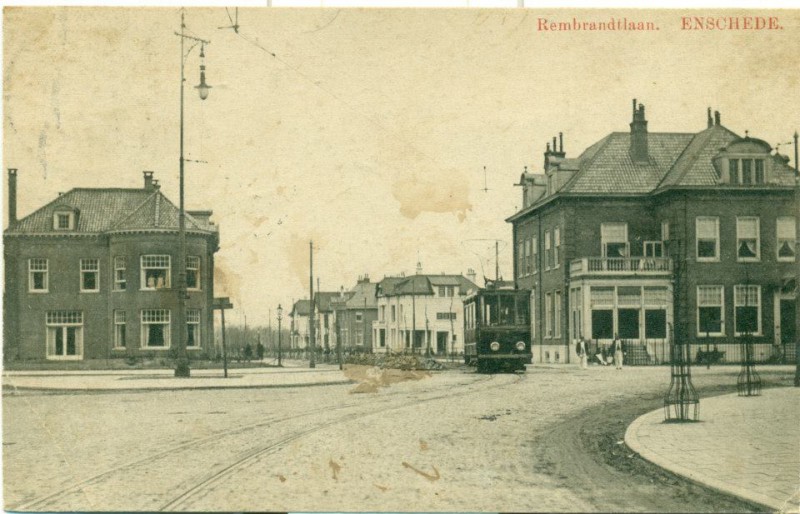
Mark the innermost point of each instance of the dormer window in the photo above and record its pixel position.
(64, 220)
(746, 171)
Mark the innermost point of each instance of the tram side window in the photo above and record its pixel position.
(489, 310)
(522, 312)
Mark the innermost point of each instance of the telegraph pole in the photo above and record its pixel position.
(311, 332)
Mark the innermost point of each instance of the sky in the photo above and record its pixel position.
(366, 131)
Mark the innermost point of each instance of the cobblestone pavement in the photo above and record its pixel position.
(450, 441)
(747, 446)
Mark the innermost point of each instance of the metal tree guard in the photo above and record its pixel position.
(681, 403)
(748, 383)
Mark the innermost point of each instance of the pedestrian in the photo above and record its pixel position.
(618, 351)
(260, 351)
(248, 352)
(582, 351)
(600, 354)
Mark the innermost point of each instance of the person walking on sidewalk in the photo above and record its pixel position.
(618, 353)
(583, 353)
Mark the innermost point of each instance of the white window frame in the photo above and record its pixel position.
(154, 261)
(547, 246)
(697, 238)
(193, 264)
(521, 257)
(556, 247)
(664, 231)
(86, 267)
(193, 318)
(534, 267)
(529, 256)
(781, 236)
(557, 315)
(737, 299)
(651, 246)
(721, 306)
(740, 237)
(70, 220)
(155, 316)
(62, 320)
(359, 316)
(38, 265)
(548, 311)
(120, 273)
(605, 242)
(120, 330)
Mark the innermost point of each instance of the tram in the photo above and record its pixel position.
(497, 329)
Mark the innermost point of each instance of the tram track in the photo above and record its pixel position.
(74, 493)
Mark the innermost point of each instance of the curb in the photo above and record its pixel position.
(67, 390)
(633, 442)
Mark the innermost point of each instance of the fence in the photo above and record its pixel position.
(653, 352)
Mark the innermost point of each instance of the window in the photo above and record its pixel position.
(614, 238)
(394, 313)
(655, 313)
(193, 272)
(759, 171)
(747, 315)
(556, 246)
(601, 303)
(547, 254)
(64, 335)
(155, 272)
(383, 313)
(557, 314)
(548, 315)
(64, 221)
(710, 309)
(192, 328)
(528, 257)
(786, 227)
(747, 171)
(37, 276)
(747, 240)
(733, 169)
(629, 301)
(665, 231)
(521, 258)
(534, 262)
(445, 315)
(359, 317)
(155, 328)
(120, 281)
(707, 229)
(653, 249)
(120, 331)
(90, 275)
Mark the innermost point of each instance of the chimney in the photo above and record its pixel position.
(471, 275)
(148, 180)
(639, 152)
(716, 118)
(419, 268)
(710, 121)
(560, 142)
(12, 196)
(156, 185)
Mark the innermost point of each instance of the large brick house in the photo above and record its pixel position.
(660, 236)
(354, 311)
(93, 274)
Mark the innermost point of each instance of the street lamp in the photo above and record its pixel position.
(182, 359)
(280, 316)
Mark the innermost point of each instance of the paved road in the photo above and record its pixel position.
(449, 441)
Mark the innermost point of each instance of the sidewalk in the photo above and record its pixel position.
(745, 446)
(162, 379)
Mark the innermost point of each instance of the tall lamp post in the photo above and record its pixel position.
(182, 359)
(280, 316)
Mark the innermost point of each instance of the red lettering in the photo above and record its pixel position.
(748, 23)
(542, 24)
(686, 23)
(773, 23)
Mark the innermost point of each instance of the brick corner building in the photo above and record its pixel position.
(655, 237)
(93, 274)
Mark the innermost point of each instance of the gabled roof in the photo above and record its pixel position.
(323, 300)
(362, 296)
(422, 284)
(106, 210)
(607, 166)
(301, 308)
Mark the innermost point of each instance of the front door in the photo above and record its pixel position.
(441, 343)
(788, 320)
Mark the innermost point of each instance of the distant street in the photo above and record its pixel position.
(454, 440)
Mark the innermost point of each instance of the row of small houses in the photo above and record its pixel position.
(415, 313)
